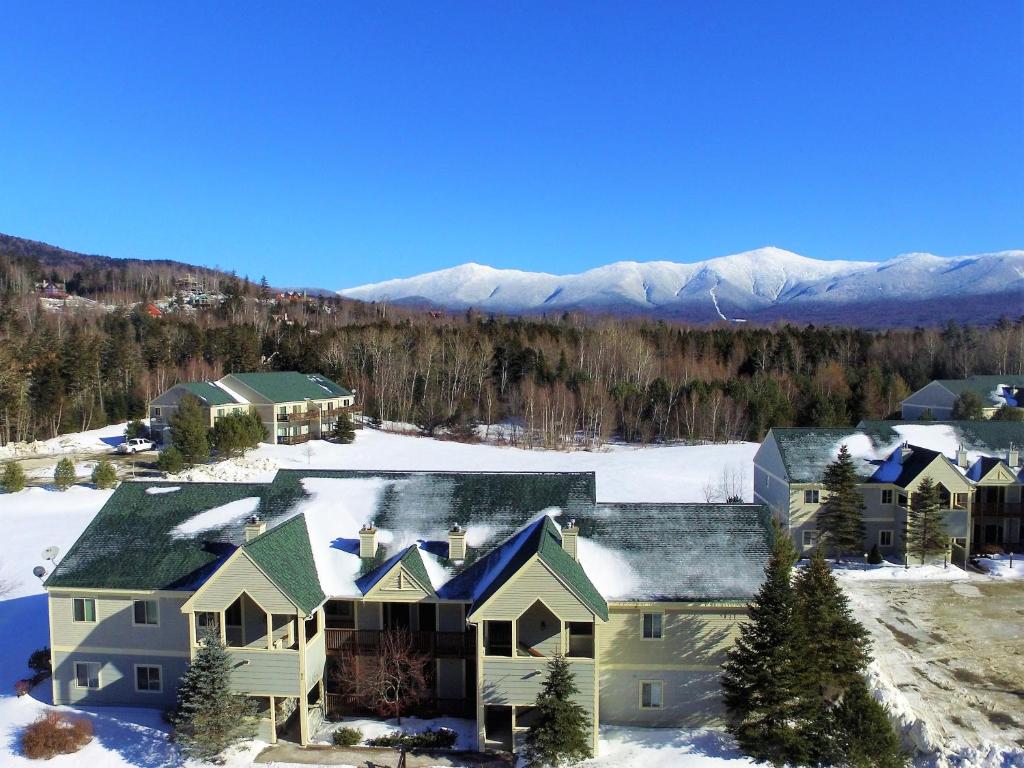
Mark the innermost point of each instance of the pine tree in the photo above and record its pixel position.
(926, 532)
(170, 461)
(104, 475)
(236, 433)
(64, 474)
(865, 737)
(209, 718)
(758, 678)
(968, 407)
(561, 733)
(833, 652)
(344, 431)
(189, 431)
(841, 518)
(13, 477)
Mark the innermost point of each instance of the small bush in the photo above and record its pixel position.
(104, 475)
(64, 474)
(347, 737)
(23, 686)
(136, 428)
(55, 733)
(874, 556)
(13, 477)
(170, 461)
(39, 662)
(442, 738)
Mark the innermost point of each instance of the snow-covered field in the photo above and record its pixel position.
(36, 518)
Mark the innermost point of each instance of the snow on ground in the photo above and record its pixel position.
(665, 748)
(887, 571)
(1003, 566)
(660, 473)
(95, 440)
(466, 729)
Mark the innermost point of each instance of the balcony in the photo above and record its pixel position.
(366, 642)
(998, 509)
(299, 416)
(328, 412)
(293, 439)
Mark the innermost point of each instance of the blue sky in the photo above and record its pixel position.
(332, 144)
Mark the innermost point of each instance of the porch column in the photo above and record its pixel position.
(273, 720)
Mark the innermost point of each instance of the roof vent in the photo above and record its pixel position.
(254, 527)
(368, 540)
(456, 543)
(961, 457)
(569, 535)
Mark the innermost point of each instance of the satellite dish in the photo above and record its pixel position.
(50, 553)
(39, 571)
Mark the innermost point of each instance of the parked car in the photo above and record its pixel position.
(135, 445)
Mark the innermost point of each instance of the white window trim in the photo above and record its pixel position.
(659, 637)
(891, 538)
(805, 534)
(135, 675)
(156, 602)
(892, 497)
(640, 694)
(94, 619)
(99, 678)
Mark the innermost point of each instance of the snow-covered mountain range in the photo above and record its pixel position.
(759, 285)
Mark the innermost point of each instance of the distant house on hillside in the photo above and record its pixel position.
(938, 397)
(491, 574)
(294, 407)
(977, 465)
(51, 290)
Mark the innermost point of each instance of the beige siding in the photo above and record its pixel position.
(113, 627)
(692, 638)
(316, 658)
(517, 681)
(388, 590)
(117, 679)
(235, 577)
(523, 589)
(274, 673)
(691, 699)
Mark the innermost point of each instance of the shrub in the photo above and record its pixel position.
(347, 737)
(442, 738)
(39, 662)
(136, 428)
(64, 474)
(55, 733)
(104, 475)
(874, 556)
(13, 477)
(170, 461)
(23, 686)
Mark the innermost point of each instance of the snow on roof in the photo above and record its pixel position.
(153, 490)
(217, 517)
(234, 395)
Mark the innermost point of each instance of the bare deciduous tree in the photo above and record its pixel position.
(391, 682)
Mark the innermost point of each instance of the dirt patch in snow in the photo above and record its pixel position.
(949, 661)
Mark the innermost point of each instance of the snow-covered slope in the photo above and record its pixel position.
(766, 281)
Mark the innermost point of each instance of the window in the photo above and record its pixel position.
(147, 678)
(904, 500)
(146, 613)
(84, 609)
(207, 621)
(960, 500)
(87, 674)
(652, 626)
(885, 538)
(156, 412)
(651, 694)
(887, 496)
(497, 638)
(811, 497)
(810, 538)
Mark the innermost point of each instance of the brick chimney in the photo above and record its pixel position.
(569, 535)
(254, 527)
(456, 543)
(368, 540)
(1013, 456)
(905, 452)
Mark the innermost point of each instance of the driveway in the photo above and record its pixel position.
(285, 753)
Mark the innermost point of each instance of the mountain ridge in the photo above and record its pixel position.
(762, 284)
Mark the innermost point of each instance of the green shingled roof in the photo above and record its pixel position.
(208, 392)
(806, 451)
(291, 386)
(982, 386)
(283, 554)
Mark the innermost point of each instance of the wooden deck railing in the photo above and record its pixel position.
(366, 642)
(337, 705)
(997, 509)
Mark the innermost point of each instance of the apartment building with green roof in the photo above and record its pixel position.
(489, 573)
